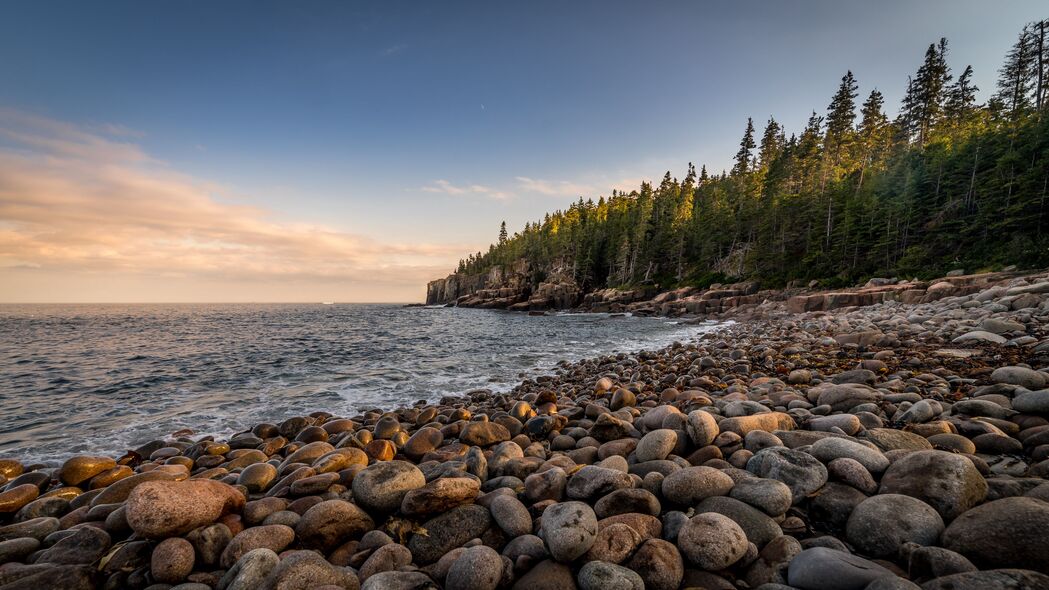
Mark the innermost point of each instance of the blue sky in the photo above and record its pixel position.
(416, 127)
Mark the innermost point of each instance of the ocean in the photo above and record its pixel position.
(105, 378)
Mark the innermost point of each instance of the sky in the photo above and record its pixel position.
(351, 151)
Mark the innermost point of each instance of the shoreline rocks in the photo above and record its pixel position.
(865, 447)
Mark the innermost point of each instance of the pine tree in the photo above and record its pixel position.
(1018, 75)
(771, 144)
(842, 111)
(929, 85)
(745, 145)
(502, 233)
(873, 124)
(960, 98)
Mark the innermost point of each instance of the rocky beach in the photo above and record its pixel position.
(893, 436)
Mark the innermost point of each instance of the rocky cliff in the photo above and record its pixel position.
(514, 287)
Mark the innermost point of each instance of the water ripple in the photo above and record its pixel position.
(103, 378)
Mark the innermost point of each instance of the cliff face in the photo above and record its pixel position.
(505, 288)
(497, 283)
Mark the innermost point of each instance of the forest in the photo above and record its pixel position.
(945, 183)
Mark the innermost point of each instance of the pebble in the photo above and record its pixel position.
(172, 560)
(712, 541)
(820, 568)
(599, 575)
(1004, 533)
(949, 483)
(157, 509)
(478, 568)
(327, 523)
(690, 485)
(881, 524)
(381, 487)
(801, 472)
(569, 530)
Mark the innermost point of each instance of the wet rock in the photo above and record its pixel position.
(158, 509)
(81, 468)
(440, 495)
(12, 500)
(331, 522)
(424, 440)
(483, 434)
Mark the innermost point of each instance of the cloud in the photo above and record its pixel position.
(78, 201)
(558, 188)
(445, 187)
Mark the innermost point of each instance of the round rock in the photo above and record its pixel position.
(881, 524)
(381, 487)
(712, 541)
(569, 529)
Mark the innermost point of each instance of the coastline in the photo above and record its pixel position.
(896, 422)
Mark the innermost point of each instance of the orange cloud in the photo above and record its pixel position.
(76, 201)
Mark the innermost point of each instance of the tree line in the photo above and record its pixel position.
(945, 183)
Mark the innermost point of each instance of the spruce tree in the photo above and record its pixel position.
(771, 144)
(1018, 75)
(502, 233)
(960, 98)
(745, 145)
(842, 111)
